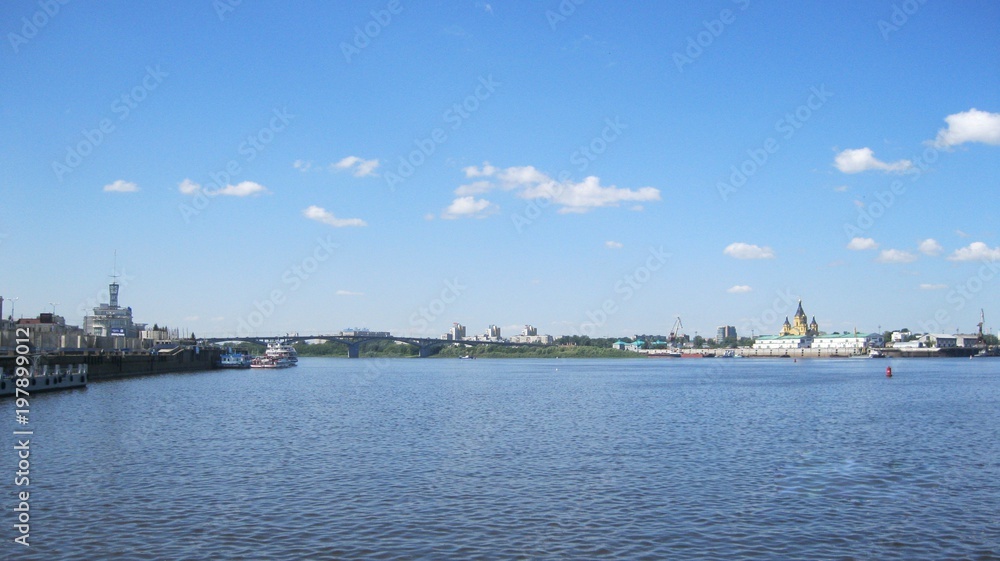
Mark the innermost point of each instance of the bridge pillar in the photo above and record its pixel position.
(353, 350)
(425, 351)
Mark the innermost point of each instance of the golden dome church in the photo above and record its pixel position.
(800, 327)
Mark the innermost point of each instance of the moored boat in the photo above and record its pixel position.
(281, 350)
(45, 378)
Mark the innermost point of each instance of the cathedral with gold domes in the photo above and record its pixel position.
(800, 327)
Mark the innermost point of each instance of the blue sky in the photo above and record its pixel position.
(586, 167)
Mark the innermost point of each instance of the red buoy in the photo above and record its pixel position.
(888, 372)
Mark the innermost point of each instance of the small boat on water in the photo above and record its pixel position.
(467, 357)
(235, 360)
(270, 362)
(875, 353)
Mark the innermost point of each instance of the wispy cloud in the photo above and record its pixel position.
(930, 247)
(976, 251)
(928, 286)
(320, 214)
(740, 250)
(348, 293)
(469, 207)
(242, 189)
(739, 289)
(969, 126)
(572, 196)
(862, 244)
(302, 165)
(895, 256)
(863, 159)
(613, 245)
(121, 186)
(359, 167)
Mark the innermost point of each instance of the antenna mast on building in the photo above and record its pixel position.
(113, 287)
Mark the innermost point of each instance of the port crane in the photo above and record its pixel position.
(982, 321)
(675, 337)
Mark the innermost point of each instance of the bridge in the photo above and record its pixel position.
(424, 345)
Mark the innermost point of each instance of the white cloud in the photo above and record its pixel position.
(861, 244)
(613, 245)
(739, 289)
(841, 188)
(863, 159)
(926, 286)
(242, 189)
(930, 247)
(741, 250)
(302, 165)
(970, 126)
(320, 214)
(474, 188)
(348, 293)
(469, 206)
(188, 187)
(358, 166)
(895, 256)
(571, 196)
(121, 186)
(486, 171)
(587, 194)
(976, 251)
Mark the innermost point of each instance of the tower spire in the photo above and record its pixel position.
(113, 287)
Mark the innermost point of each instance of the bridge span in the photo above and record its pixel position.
(424, 345)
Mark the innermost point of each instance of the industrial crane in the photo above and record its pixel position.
(675, 337)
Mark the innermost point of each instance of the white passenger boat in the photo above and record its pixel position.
(281, 350)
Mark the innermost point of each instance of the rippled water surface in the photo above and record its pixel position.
(520, 459)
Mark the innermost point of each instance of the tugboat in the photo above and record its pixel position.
(234, 360)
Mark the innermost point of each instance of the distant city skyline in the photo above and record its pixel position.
(597, 171)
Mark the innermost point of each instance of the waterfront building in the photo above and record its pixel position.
(725, 332)
(109, 319)
(539, 339)
(782, 342)
(493, 332)
(529, 331)
(800, 327)
(457, 332)
(848, 342)
(947, 341)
